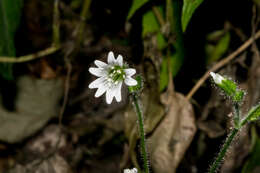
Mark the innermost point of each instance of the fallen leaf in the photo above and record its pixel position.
(172, 137)
(37, 101)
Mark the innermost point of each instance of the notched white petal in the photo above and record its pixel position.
(130, 81)
(111, 58)
(130, 72)
(101, 90)
(119, 60)
(100, 64)
(118, 92)
(109, 96)
(97, 71)
(96, 83)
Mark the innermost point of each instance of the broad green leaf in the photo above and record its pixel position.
(10, 12)
(176, 64)
(164, 77)
(177, 52)
(151, 25)
(214, 52)
(135, 6)
(189, 6)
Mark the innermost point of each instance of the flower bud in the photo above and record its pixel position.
(229, 87)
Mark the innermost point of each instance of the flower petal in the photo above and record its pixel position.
(100, 64)
(130, 81)
(118, 92)
(96, 83)
(217, 78)
(130, 72)
(109, 95)
(111, 58)
(119, 60)
(97, 71)
(101, 90)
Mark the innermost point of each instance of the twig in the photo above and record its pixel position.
(222, 63)
(158, 16)
(29, 57)
(55, 42)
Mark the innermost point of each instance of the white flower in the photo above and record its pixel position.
(134, 170)
(217, 78)
(111, 77)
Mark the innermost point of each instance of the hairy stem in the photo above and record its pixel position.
(236, 115)
(139, 113)
(223, 151)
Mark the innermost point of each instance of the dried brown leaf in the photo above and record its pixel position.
(173, 135)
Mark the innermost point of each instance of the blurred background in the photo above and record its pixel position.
(50, 121)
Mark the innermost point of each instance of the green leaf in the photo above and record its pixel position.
(254, 113)
(189, 6)
(164, 77)
(150, 23)
(135, 6)
(213, 54)
(10, 12)
(176, 64)
(150, 26)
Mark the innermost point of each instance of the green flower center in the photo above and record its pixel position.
(116, 73)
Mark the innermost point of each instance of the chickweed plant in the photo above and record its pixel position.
(111, 76)
(231, 90)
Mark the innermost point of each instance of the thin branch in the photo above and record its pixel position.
(55, 42)
(29, 57)
(66, 92)
(158, 16)
(222, 63)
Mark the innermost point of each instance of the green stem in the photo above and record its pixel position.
(83, 15)
(56, 24)
(236, 115)
(223, 151)
(142, 132)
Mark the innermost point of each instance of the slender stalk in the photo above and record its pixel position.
(139, 113)
(30, 57)
(158, 16)
(56, 24)
(83, 15)
(236, 115)
(223, 151)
